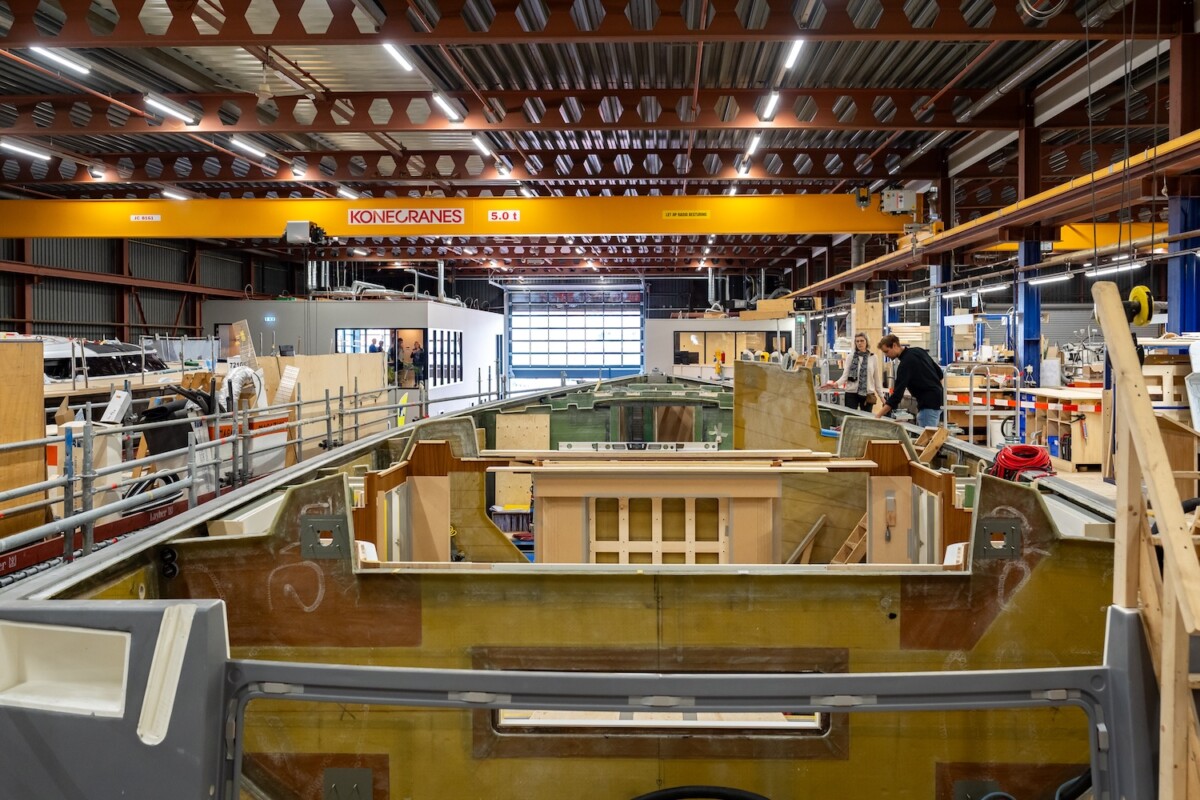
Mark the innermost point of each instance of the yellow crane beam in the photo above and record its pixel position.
(1085, 236)
(474, 217)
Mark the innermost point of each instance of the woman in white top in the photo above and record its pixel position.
(861, 378)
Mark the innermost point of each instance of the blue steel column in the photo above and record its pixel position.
(1029, 315)
(893, 314)
(939, 274)
(1183, 276)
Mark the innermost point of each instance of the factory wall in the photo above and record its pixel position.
(311, 327)
(660, 335)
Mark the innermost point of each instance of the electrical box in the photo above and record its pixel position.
(298, 232)
(898, 201)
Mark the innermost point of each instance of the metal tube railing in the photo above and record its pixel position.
(69, 524)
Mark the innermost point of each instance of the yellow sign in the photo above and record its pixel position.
(677, 213)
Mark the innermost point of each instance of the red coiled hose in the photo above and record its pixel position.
(1014, 459)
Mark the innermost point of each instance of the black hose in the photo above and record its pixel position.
(1076, 787)
(700, 793)
(1188, 506)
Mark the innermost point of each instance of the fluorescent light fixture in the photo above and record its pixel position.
(744, 168)
(481, 144)
(1132, 265)
(999, 287)
(1042, 281)
(579, 251)
(769, 108)
(171, 109)
(448, 109)
(919, 301)
(896, 304)
(167, 193)
(349, 194)
(247, 147)
(96, 172)
(24, 150)
(843, 313)
(525, 190)
(732, 190)
(1119, 258)
(753, 144)
(395, 53)
(699, 268)
(952, 295)
(62, 61)
(359, 251)
(793, 54)
(706, 250)
(503, 168)
(704, 262)
(712, 238)
(298, 169)
(593, 266)
(904, 324)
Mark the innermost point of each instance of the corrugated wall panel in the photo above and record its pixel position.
(8, 249)
(158, 259)
(479, 293)
(7, 304)
(160, 307)
(85, 255)
(273, 278)
(72, 308)
(221, 272)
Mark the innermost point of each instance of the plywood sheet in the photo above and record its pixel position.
(22, 419)
(889, 520)
(773, 408)
(675, 423)
(522, 431)
(841, 498)
(429, 516)
(478, 536)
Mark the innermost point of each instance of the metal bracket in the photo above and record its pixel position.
(324, 537)
(347, 783)
(988, 547)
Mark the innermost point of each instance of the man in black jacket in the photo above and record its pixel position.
(920, 375)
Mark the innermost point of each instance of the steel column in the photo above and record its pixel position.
(1029, 317)
(893, 314)
(1183, 275)
(940, 335)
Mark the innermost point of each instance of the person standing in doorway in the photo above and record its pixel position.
(374, 348)
(860, 381)
(418, 362)
(917, 373)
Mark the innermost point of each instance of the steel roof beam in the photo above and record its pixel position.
(363, 112)
(283, 24)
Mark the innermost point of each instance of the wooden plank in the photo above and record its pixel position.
(429, 506)
(1131, 516)
(1182, 444)
(933, 445)
(803, 551)
(1179, 554)
(286, 390)
(22, 419)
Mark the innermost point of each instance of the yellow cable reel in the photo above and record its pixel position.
(1139, 308)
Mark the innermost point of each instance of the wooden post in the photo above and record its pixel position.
(1178, 553)
(1131, 509)
(1174, 717)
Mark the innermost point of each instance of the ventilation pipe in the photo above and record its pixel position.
(441, 286)
(712, 288)
(762, 284)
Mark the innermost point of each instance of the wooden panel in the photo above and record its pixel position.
(518, 432)
(429, 513)
(675, 423)
(889, 520)
(22, 419)
(560, 534)
(841, 498)
(773, 408)
(478, 536)
(891, 458)
(752, 532)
